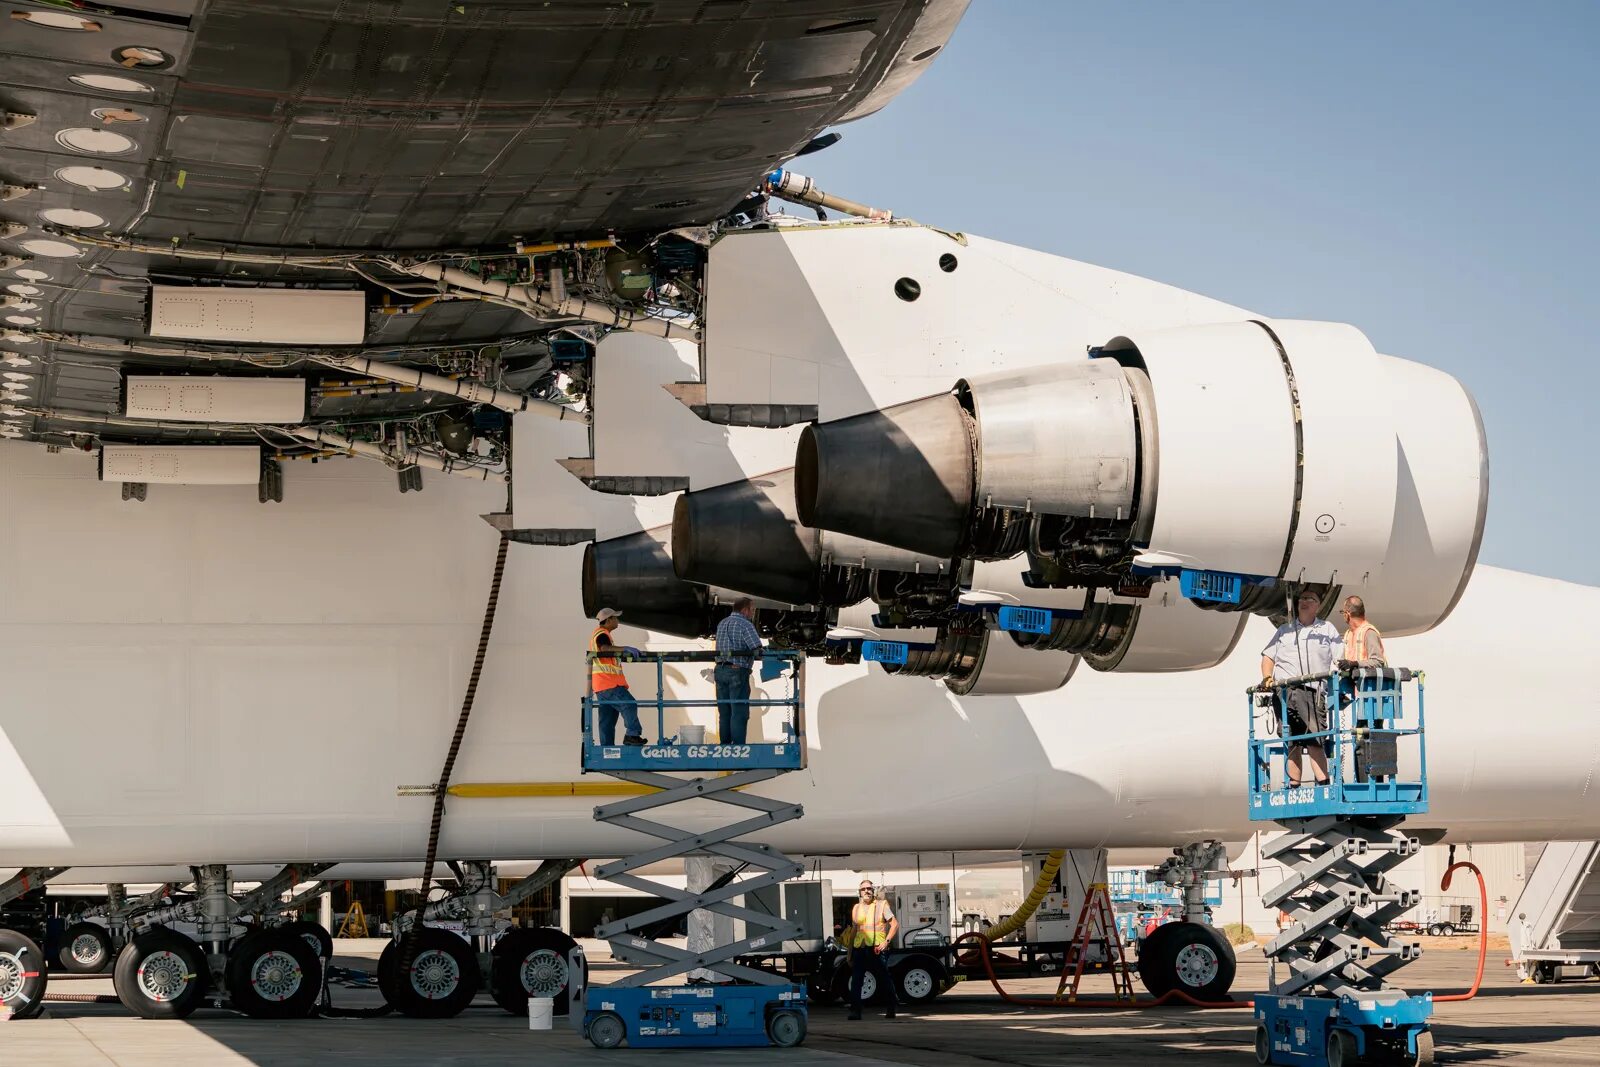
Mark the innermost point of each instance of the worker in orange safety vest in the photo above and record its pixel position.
(871, 931)
(1363, 644)
(610, 685)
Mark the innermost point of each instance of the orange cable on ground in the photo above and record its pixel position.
(1483, 927)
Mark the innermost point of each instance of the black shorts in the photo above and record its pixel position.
(1308, 713)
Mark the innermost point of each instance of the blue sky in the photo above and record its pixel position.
(1429, 172)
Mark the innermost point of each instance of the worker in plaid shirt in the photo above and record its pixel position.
(738, 644)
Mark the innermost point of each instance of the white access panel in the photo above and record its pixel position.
(181, 464)
(1226, 468)
(1347, 428)
(196, 398)
(259, 316)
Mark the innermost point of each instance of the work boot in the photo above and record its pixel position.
(634, 739)
(854, 1016)
(890, 1013)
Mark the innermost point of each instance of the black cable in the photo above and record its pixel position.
(408, 941)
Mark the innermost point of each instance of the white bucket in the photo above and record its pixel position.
(692, 735)
(541, 1012)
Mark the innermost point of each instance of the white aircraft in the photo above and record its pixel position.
(251, 670)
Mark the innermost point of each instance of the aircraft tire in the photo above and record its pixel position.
(86, 949)
(161, 974)
(274, 973)
(23, 975)
(531, 963)
(442, 978)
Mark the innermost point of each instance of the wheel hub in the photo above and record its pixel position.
(86, 949)
(11, 976)
(1197, 965)
(434, 974)
(918, 983)
(544, 973)
(275, 976)
(163, 976)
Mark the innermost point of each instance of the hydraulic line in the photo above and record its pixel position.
(1041, 888)
(1483, 926)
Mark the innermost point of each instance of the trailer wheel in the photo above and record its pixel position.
(919, 979)
(274, 973)
(786, 1029)
(23, 975)
(85, 948)
(607, 1030)
(1435, 929)
(161, 974)
(531, 963)
(1594, 970)
(870, 993)
(1544, 973)
(442, 978)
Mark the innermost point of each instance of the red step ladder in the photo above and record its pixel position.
(1097, 922)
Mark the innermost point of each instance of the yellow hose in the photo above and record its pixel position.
(1047, 876)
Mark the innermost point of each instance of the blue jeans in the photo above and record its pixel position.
(733, 703)
(614, 702)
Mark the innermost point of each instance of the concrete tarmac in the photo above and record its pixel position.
(1509, 1023)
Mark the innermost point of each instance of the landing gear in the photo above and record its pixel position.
(441, 980)
(1190, 957)
(531, 963)
(161, 974)
(86, 949)
(22, 975)
(274, 973)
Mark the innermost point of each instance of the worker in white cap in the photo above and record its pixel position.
(610, 684)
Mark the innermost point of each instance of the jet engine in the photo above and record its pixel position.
(634, 574)
(1218, 464)
(745, 536)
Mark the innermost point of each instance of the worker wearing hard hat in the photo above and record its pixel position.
(871, 931)
(610, 684)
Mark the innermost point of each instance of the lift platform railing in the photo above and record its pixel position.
(782, 668)
(1369, 728)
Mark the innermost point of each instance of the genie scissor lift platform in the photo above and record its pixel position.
(758, 1007)
(1331, 1001)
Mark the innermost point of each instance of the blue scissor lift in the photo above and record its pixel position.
(1331, 1001)
(759, 1007)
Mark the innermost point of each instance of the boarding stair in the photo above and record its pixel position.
(1555, 922)
(1332, 997)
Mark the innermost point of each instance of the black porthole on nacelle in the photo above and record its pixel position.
(907, 289)
(947, 263)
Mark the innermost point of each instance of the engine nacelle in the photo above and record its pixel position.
(746, 536)
(973, 660)
(634, 574)
(1244, 457)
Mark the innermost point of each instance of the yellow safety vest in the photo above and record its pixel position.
(605, 672)
(869, 924)
(1355, 640)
